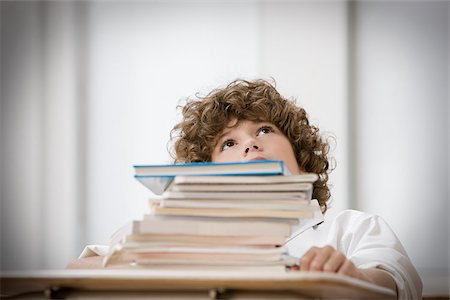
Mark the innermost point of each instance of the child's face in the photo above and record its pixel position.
(254, 141)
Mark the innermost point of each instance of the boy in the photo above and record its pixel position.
(249, 120)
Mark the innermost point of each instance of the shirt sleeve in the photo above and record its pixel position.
(370, 242)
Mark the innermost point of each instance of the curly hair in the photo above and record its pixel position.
(204, 118)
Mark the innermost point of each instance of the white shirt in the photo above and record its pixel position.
(363, 238)
(366, 240)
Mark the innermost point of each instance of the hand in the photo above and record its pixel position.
(328, 259)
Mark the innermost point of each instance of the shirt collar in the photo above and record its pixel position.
(305, 224)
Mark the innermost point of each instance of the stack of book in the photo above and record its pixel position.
(215, 216)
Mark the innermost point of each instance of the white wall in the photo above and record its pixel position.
(158, 53)
(91, 89)
(40, 184)
(149, 59)
(401, 98)
(305, 49)
(21, 138)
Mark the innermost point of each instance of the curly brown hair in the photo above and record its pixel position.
(204, 118)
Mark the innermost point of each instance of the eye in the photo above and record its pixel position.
(265, 130)
(227, 144)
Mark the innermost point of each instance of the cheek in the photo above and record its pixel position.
(214, 157)
(284, 148)
(226, 156)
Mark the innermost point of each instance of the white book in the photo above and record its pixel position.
(150, 240)
(219, 257)
(276, 261)
(237, 195)
(302, 178)
(199, 258)
(254, 250)
(231, 212)
(212, 226)
(234, 187)
(275, 205)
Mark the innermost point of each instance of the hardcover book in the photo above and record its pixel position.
(158, 177)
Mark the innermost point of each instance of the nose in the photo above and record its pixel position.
(247, 149)
(252, 145)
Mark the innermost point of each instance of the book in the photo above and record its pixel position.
(242, 188)
(129, 245)
(260, 167)
(244, 180)
(231, 213)
(219, 255)
(165, 266)
(158, 177)
(200, 258)
(212, 226)
(157, 231)
(261, 204)
(268, 187)
(238, 196)
(217, 216)
(199, 251)
(156, 184)
(148, 239)
(170, 249)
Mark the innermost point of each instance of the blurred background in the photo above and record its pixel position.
(90, 88)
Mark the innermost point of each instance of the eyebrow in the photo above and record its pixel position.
(222, 135)
(227, 129)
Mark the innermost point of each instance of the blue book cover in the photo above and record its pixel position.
(157, 177)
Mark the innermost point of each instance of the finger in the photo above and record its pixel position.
(347, 268)
(294, 268)
(305, 261)
(335, 262)
(321, 258)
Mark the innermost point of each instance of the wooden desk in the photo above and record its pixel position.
(172, 284)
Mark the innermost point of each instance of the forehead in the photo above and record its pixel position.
(235, 124)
